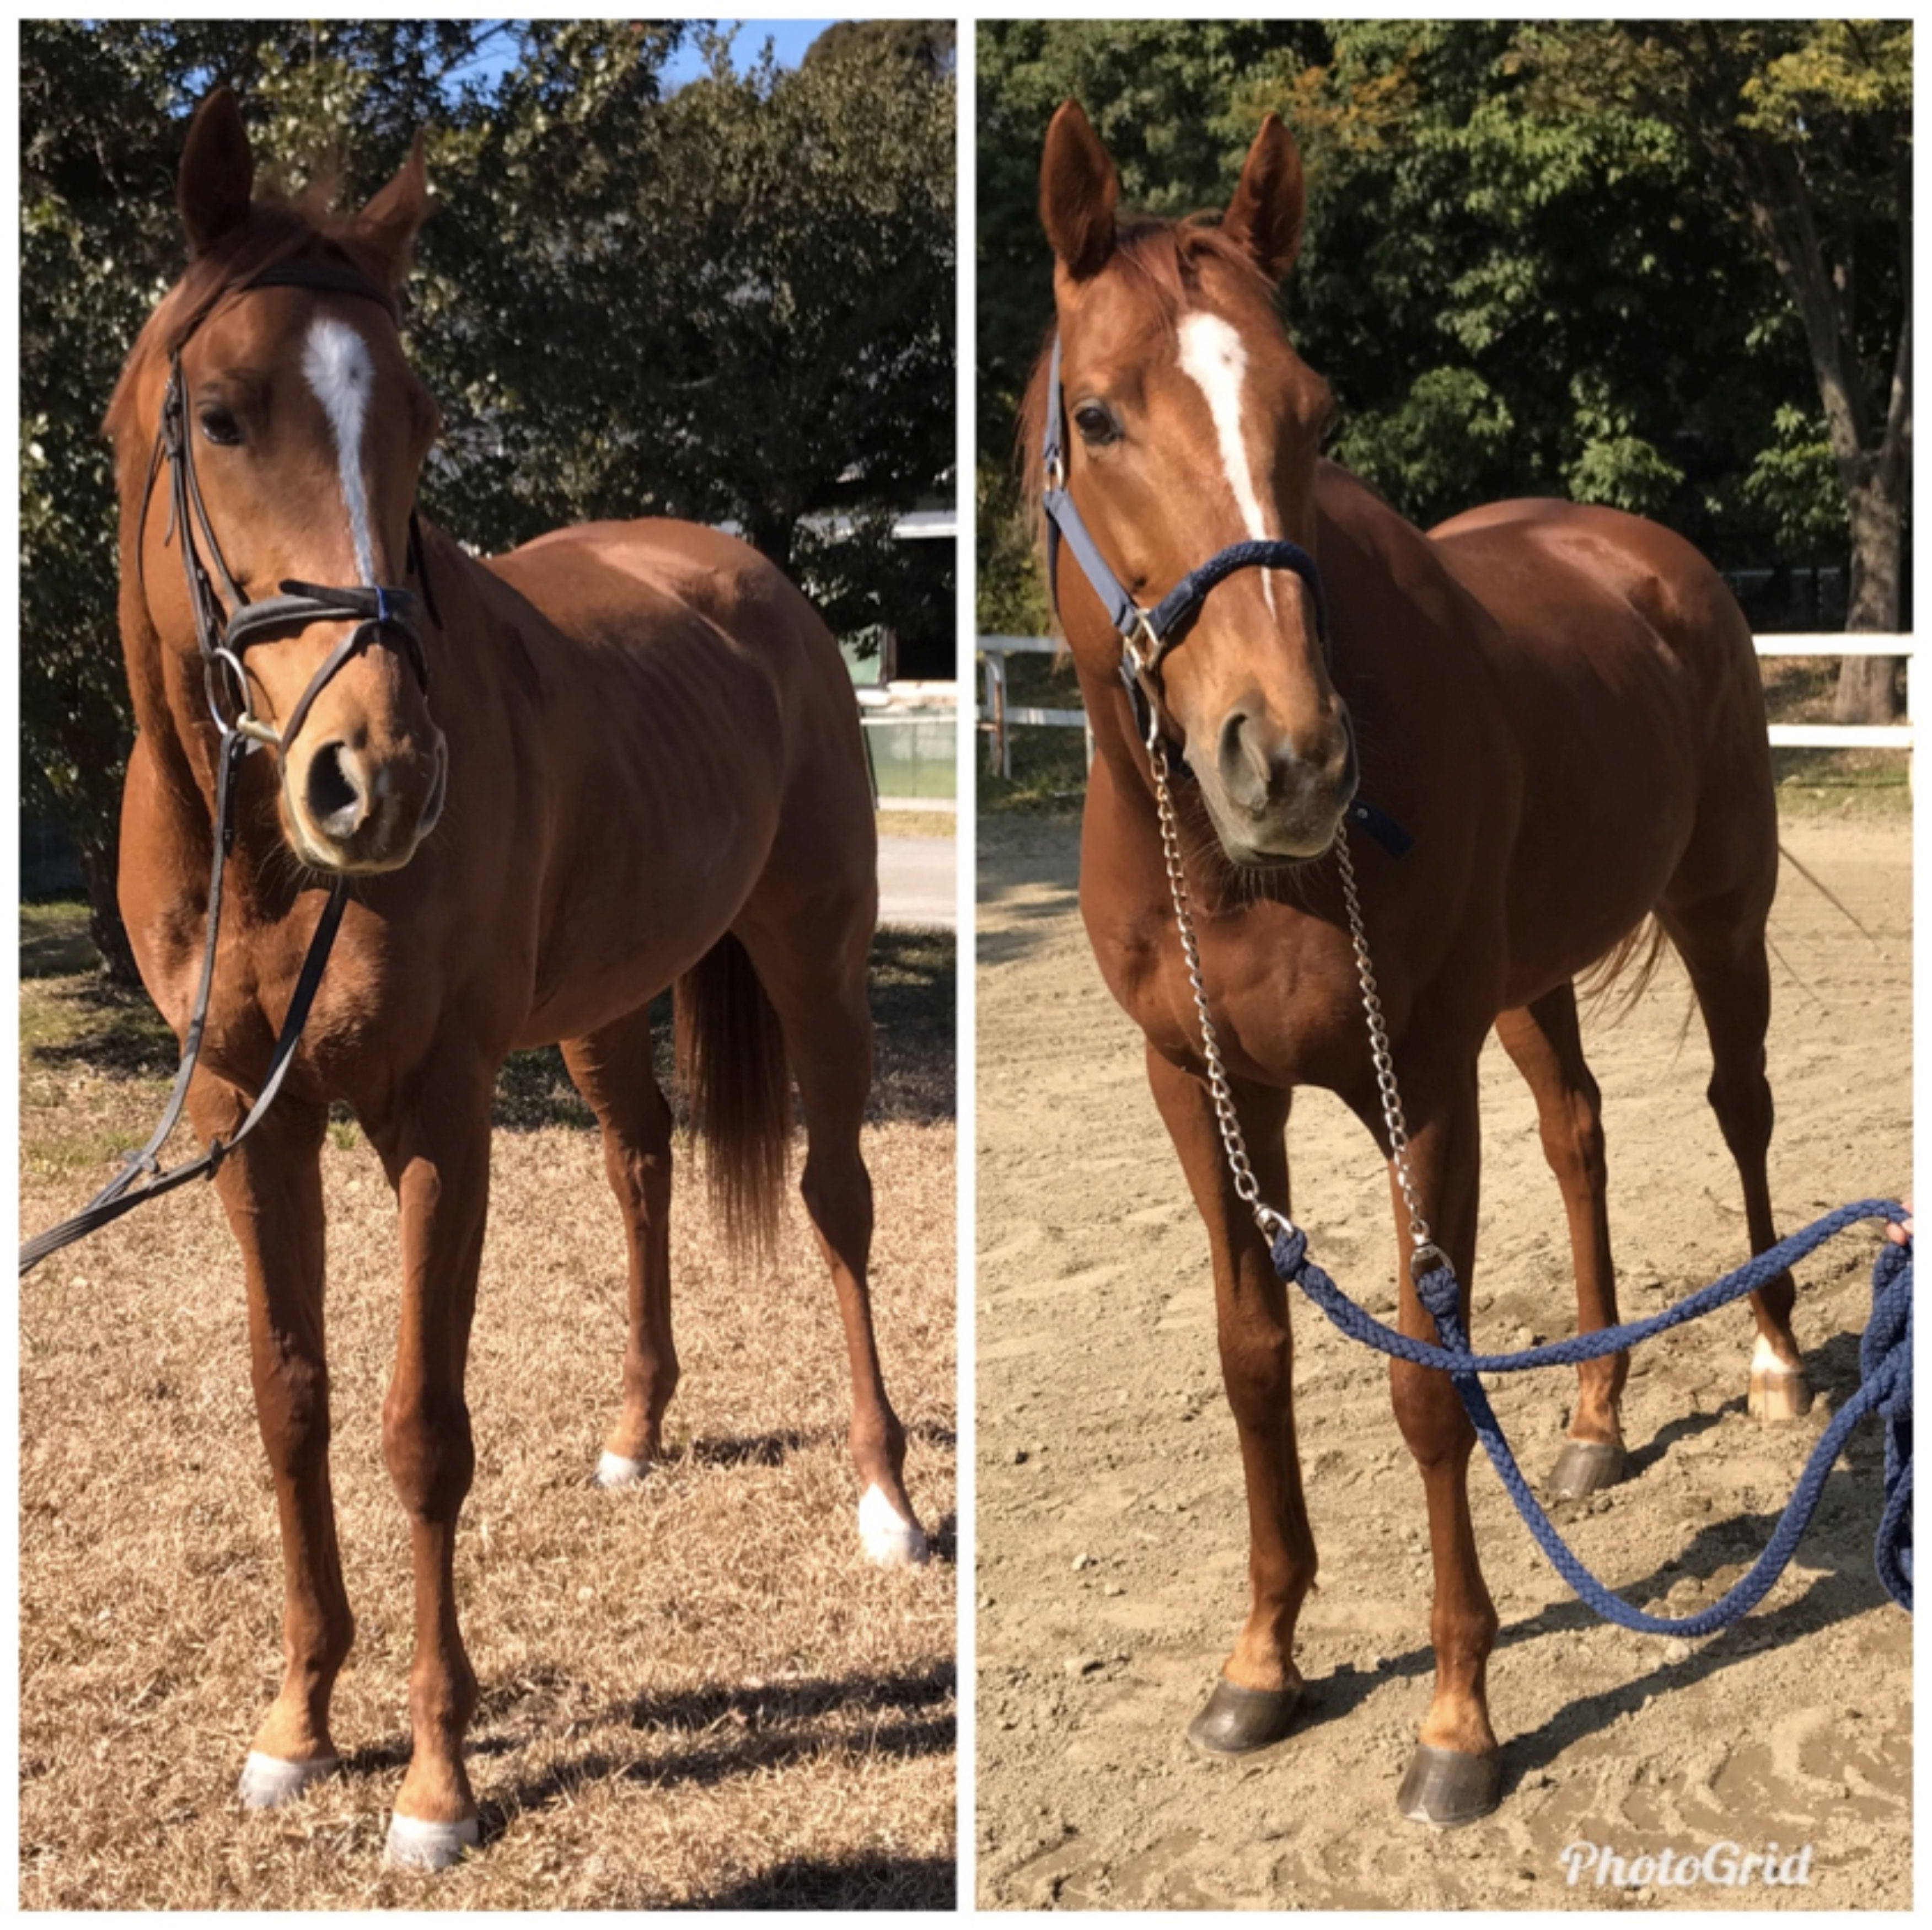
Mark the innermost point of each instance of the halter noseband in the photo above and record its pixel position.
(1147, 635)
(382, 613)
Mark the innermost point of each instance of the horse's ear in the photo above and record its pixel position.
(218, 172)
(1265, 214)
(388, 225)
(1078, 188)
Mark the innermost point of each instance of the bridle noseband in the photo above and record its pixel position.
(1147, 635)
(227, 623)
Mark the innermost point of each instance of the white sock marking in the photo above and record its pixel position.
(336, 360)
(1213, 357)
(889, 1539)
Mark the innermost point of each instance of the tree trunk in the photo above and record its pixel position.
(1868, 689)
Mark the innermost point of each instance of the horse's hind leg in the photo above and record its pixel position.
(613, 1069)
(1721, 941)
(816, 980)
(1545, 1042)
(271, 1185)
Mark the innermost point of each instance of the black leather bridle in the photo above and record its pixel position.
(382, 613)
(1147, 635)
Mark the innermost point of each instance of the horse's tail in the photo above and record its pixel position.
(731, 1061)
(1629, 965)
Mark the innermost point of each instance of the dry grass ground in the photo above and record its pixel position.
(698, 1693)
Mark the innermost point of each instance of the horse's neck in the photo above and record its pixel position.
(1117, 743)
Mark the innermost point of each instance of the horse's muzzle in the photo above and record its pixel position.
(351, 812)
(1273, 800)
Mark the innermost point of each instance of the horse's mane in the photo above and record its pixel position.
(1165, 259)
(278, 228)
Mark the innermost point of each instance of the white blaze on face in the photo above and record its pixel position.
(1213, 357)
(336, 360)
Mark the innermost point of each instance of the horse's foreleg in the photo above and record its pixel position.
(271, 1186)
(437, 1152)
(1253, 1703)
(1724, 953)
(1455, 1775)
(613, 1069)
(1545, 1042)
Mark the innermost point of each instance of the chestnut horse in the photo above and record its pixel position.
(1560, 704)
(624, 757)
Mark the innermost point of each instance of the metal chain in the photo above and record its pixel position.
(1247, 1188)
(1421, 1238)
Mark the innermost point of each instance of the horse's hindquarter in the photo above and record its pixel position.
(690, 694)
(1625, 674)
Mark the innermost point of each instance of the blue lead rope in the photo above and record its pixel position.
(1885, 1362)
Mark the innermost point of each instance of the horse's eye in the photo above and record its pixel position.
(1095, 425)
(219, 425)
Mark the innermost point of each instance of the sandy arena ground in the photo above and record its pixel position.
(1112, 1534)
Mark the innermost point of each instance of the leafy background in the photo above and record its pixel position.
(731, 299)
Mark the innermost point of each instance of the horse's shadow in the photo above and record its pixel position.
(708, 1737)
(774, 1450)
(861, 1883)
(1840, 1532)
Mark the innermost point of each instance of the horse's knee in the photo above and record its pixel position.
(292, 1411)
(1431, 1415)
(1258, 1371)
(430, 1456)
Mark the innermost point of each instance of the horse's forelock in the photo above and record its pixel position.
(1164, 259)
(279, 228)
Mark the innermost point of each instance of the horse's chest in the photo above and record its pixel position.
(1280, 991)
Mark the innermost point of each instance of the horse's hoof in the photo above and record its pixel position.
(268, 1782)
(1237, 1721)
(416, 1845)
(1446, 1788)
(1586, 1467)
(890, 1540)
(620, 1471)
(1779, 1393)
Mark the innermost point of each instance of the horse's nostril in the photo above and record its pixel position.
(335, 794)
(1248, 772)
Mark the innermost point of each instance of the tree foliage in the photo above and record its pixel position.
(1525, 271)
(731, 301)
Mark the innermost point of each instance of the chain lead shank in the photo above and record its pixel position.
(1247, 1188)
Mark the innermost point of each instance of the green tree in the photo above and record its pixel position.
(1802, 133)
(1512, 292)
(732, 302)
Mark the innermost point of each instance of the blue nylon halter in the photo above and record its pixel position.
(1147, 635)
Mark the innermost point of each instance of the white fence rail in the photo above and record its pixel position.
(997, 716)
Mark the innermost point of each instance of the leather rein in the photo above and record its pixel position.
(382, 613)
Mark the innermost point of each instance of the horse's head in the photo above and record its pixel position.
(298, 432)
(1191, 425)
